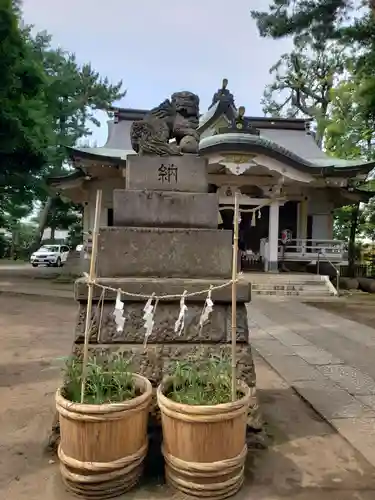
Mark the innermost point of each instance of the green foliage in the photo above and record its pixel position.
(303, 83)
(106, 382)
(63, 214)
(48, 101)
(326, 20)
(318, 18)
(208, 383)
(25, 131)
(75, 236)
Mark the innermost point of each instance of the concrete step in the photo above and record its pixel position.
(257, 286)
(306, 293)
(290, 285)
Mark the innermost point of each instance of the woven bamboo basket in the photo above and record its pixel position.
(103, 447)
(204, 447)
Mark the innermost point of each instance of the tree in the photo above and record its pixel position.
(25, 127)
(303, 82)
(12, 221)
(63, 215)
(73, 93)
(327, 20)
(319, 18)
(350, 135)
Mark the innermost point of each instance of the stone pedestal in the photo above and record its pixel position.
(157, 258)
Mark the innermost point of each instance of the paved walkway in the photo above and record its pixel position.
(328, 360)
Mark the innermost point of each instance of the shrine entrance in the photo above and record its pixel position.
(250, 236)
(254, 231)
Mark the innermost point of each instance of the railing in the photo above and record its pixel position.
(308, 249)
(337, 270)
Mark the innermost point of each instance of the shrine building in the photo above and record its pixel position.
(275, 166)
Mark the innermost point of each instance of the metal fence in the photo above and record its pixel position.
(360, 270)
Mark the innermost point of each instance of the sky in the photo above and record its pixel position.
(157, 47)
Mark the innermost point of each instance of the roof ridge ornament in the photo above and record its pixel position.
(240, 124)
(223, 95)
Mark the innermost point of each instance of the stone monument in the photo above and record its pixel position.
(165, 241)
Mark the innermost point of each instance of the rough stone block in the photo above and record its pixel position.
(157, 360)
(188, 253)
(164, 286)
(167, 173)
(216, 329)
(134, 208)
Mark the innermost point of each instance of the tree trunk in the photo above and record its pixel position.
(352, 236)
(43, 216)
(13, 247)
(52, 236)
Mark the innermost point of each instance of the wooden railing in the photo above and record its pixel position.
(307, 250)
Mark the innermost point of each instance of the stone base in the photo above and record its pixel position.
(157, 360)
(217, 328)
(164, 253)
(135, 208)
(164, 286)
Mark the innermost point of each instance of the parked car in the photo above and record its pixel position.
(50, 255)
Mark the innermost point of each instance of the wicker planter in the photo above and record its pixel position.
(103, 447)
(204, 447)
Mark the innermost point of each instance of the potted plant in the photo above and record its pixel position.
(104, 439)
(204, 431)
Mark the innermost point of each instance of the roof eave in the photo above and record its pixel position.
(273, 153)
(77, 154)
(71, 176)
(350, 171)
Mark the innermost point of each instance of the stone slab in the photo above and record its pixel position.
(349, 378)
(293, 368)
(135, 208)
(216, 330)
(315, 356)
(157, 252)
(331, 401)
(167, 173)
(271, 347)
(165, 286)
(367, 400)
(360, 433)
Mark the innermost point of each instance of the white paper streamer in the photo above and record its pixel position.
(119, 313)
(180, 323)
(148, 317)
(207, 310)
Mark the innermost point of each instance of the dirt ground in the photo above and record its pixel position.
(305, 460)
(357, 306)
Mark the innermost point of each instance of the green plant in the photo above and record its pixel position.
(207, 382)
(107, 381)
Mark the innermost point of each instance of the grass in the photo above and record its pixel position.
(206, 383)
(109, 381)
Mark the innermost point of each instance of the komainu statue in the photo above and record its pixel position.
(177, 119)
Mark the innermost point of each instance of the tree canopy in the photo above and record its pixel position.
(329, 76)
(48, 100)
(25, 122)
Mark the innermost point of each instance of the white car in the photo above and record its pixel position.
(50, 255)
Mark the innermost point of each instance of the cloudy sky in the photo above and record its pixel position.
(158, 47)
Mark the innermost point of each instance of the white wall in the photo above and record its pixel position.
(320, 208)
(107, 186)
